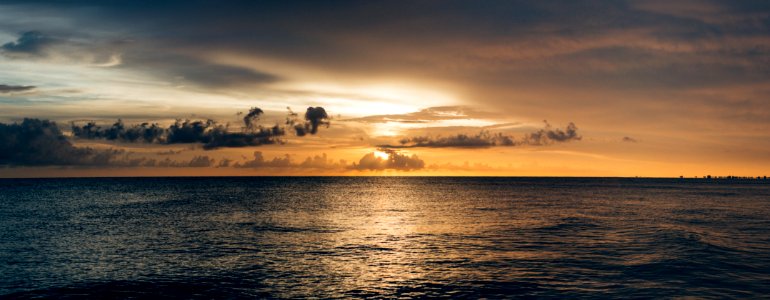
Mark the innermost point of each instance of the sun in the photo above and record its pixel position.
(382, 155)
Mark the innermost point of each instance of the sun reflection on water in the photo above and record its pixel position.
(383, 237)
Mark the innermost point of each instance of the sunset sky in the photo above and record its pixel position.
(519, 88)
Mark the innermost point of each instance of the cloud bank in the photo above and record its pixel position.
(36, 142)
(394, 161)
(39, 143)
(207, 132)
(369, 162)
(485, 139)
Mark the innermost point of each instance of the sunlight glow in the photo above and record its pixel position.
(382, 155)
(371, 99)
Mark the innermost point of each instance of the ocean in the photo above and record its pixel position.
(384, 237)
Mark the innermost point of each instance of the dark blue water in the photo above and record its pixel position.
(384, 238)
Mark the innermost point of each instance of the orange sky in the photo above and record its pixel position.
(653, 88)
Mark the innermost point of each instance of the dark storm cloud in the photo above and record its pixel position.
(395, 161)
(207, 132)
(305, 30)
(485, 139)
(495, 42)
(314, 118)
(213, 135)
(145, 132)
(250, 119)
(30, 43)
(36, 142)
(15, 88)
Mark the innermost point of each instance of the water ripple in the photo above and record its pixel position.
(203, 238)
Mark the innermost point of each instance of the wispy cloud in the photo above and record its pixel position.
(428, 115)
(30, 43)
(7, 89)
(485, 139)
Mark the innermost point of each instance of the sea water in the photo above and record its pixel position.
(384, 237)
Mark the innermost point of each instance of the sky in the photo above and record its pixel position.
(360, 88)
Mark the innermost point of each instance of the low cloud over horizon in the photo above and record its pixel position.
(485, 139)
(35, 143)
(207, 132)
